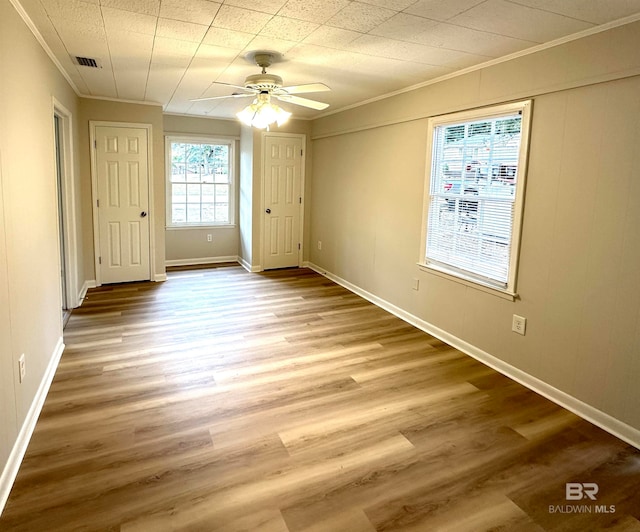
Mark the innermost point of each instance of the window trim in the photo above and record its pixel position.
(200, 139)
(494, 111)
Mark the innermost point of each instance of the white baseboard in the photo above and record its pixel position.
(12, 466)
(248, 267)
(159, 277)
(83, 291)
(605, 421)
(202, 260)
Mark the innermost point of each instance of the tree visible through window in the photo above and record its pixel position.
(476, 183)
(199, 182)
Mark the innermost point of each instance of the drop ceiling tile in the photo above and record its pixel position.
(197, 79)
(238, 19)
(236, 40)
(72, 11)
(312, 10)
(265, 6)
(100, 81)
(520, 22)
(264, 42)
(314, 56)
(129, 45)
(162, 82)
(130, 78)
(131, 88)
(196, 11)
(86, 46)
(441, 9)
(81, 39)
(360, 17)
(215, 54)
(382, 47)
(445, 35)
(588, 10)
(396, 5)
(173, 52)
(120, 20)
(288, 28)
(198, 82)
(236, 72)
(295, 73)
(182, 31)
(332, 37)
(386, 74)
(405, 27)
(147, 7)
(418, 53)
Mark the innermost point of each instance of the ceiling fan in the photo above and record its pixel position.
(264, 86)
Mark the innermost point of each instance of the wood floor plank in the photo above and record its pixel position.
(223, 400)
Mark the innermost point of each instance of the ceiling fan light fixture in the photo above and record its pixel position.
(262, 113)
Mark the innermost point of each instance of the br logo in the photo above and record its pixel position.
(576, 491)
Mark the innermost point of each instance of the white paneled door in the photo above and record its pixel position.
(282, 201)
(122, 174)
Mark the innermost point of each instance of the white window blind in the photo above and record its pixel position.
(475, 188)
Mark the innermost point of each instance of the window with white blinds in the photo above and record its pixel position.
(475, 171)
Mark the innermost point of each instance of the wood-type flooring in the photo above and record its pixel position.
(223, 400)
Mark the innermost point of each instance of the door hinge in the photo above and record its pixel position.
(99, 260)
(98, 203)
(95, 144)
(300, 200)
(298, 246)
(301, 153)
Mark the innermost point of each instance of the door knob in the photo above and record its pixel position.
(143, 214)
(268, 211)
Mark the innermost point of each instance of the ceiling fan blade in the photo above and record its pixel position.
(304, 102)
(242, 87)
(234, 95)
(248, 92)
(307, 87)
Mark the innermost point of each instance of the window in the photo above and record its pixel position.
(475, 171)
(199, 182)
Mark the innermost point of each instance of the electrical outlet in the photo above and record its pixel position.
(519, 324)
(21, 367)
(319, 245)
(209, 237)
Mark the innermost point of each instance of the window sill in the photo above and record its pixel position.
(196, 227)
(471, 283)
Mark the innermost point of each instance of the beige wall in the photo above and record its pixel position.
(30, 301)
(191, 245)
(109, 111)
(578, 276)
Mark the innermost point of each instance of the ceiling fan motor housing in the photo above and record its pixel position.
(263, 82)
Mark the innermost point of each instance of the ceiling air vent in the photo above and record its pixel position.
(87, 61)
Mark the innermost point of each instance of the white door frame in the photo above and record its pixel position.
(68, 194)
(93, 124)
(263, 147)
